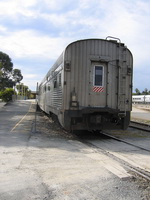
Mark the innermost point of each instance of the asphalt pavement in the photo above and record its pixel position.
(2, 104)
(40, 161)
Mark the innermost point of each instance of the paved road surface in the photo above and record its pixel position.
(47, 164)
(2, 104)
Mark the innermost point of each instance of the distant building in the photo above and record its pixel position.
(33, 94)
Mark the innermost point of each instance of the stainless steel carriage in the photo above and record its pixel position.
(90, 86)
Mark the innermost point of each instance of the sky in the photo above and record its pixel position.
(35, 32)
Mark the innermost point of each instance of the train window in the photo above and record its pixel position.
(55, 82)
(98, 75)
(49, 88)
(59, 79)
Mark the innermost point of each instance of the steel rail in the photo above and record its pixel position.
(140, 126)
(141, 172)
(121, 140)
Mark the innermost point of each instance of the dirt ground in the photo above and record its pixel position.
(141, 113)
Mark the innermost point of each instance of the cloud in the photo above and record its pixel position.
(15, 7)
(2, 29)
(35, 32)
(30, 44)
(29, 76)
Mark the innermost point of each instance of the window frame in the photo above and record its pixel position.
(59, 79)
(94, 75)
(55, 81)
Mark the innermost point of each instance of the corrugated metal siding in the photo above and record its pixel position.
(51, 100)
(54, 98)
(112, 85)
(80, 66)
(79, 54)
(57, 98)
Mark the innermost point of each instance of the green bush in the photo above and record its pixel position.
(6, 95)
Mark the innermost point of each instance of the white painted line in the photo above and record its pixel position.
(21, 119)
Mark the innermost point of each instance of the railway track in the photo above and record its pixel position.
(98, 136)
(140, 126)
(129, 143)
(137, 170)
(132, 168)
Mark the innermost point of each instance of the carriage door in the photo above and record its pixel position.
(98, 86)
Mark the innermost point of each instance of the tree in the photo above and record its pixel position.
(145, 92)
(6, 95)
(17, 76)
(22, 89)
(6, 65)
(8, 76)
(137, 91)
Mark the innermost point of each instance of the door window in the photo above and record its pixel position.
(98, 75)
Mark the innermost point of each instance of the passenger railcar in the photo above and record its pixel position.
(90, 86)
(141, 99)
